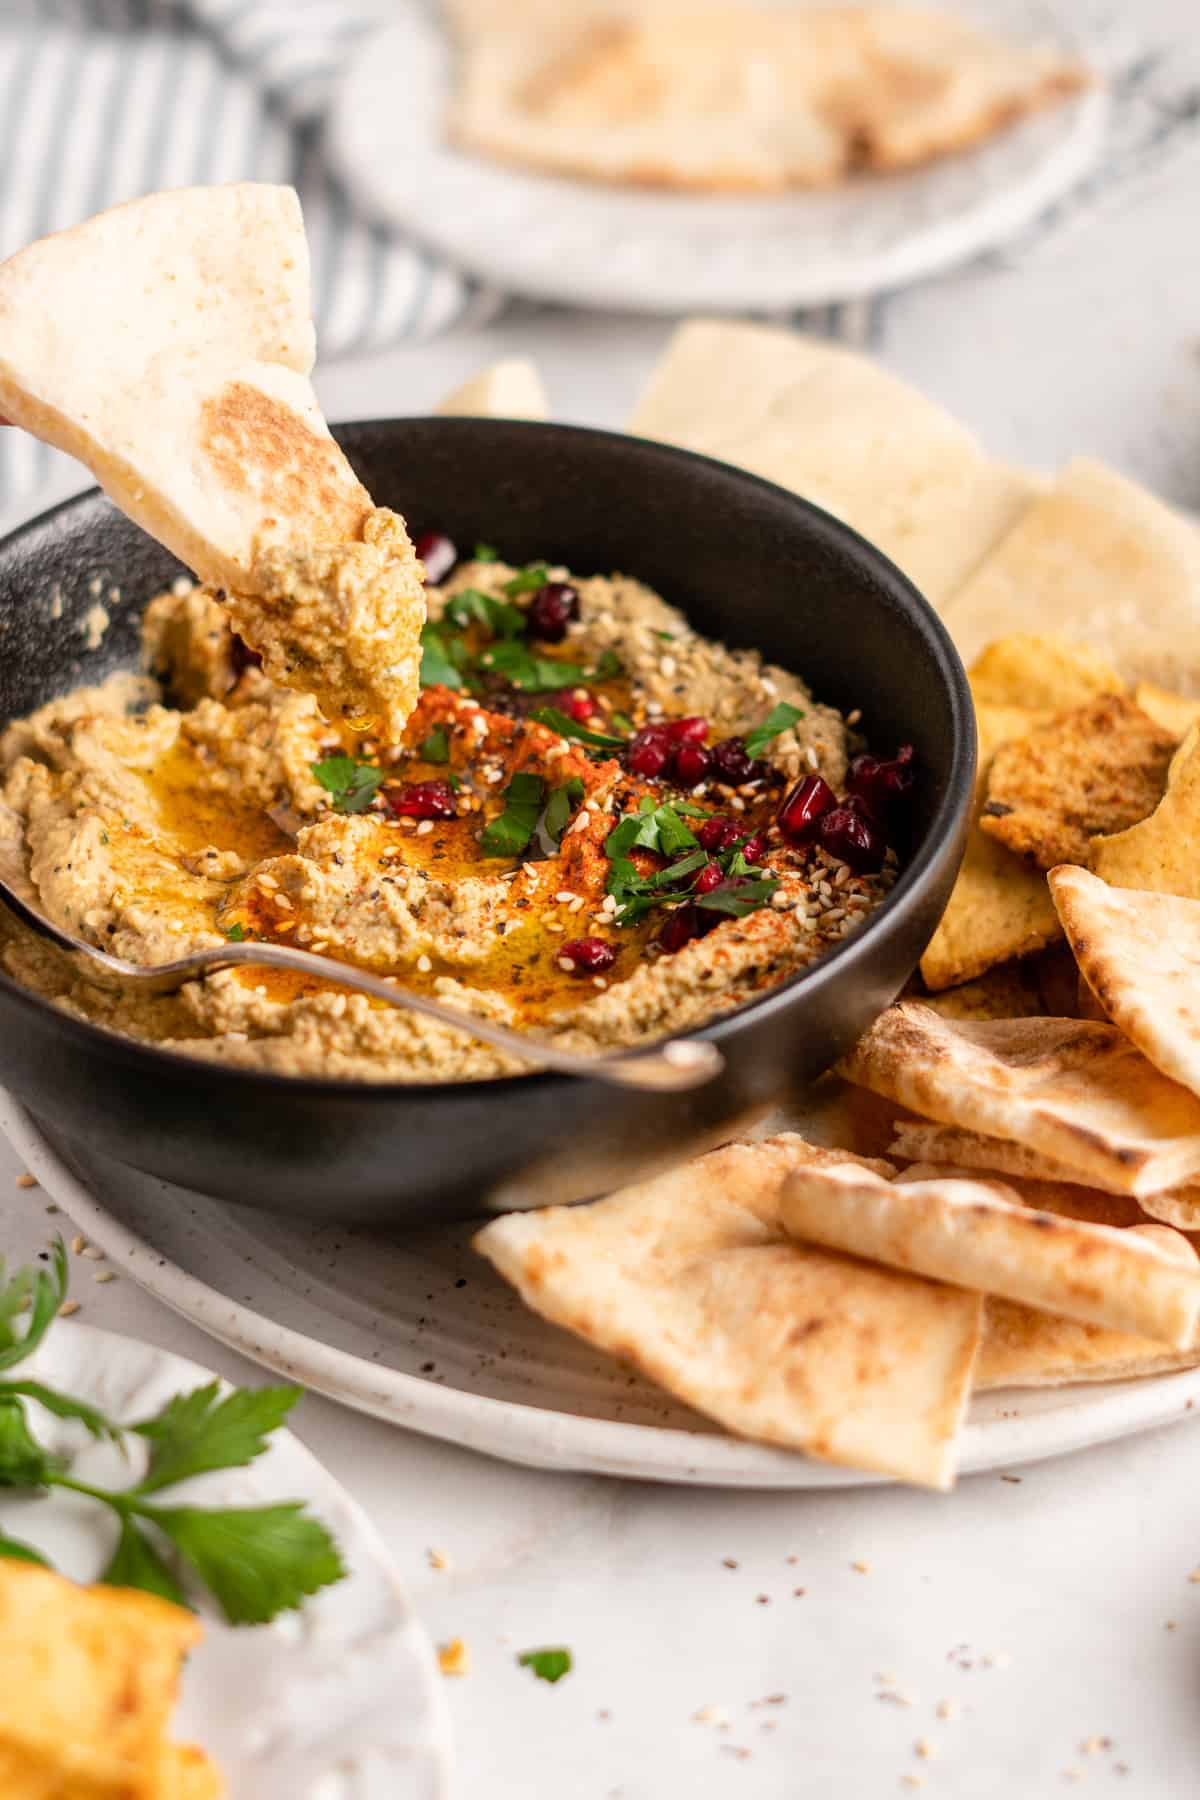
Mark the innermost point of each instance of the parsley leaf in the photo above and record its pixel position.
(522, 668)
(560, 806)
(135, 1563)
(63, 1406)
(547, 1665)
(657, 828)
(532, 576)
(23, 1461)
(471, 607)
(443, 658)
(509, 834)
(46, 1289)
(737, 898)
(780, 718)
(436, 748)
(204, 1430)
(352, 784)
(608, 665)
(257, 1560)
(485, 553)
(14, 1549)
(569, 728)
(236, 933)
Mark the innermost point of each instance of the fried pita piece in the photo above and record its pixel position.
(1000, 908)
(1159, 853)
(1065, 1088)
(842, 431)
(689, 1277)
(1096, 769)
(981, 1235)
(1174, 712)
(1049, 673)
(88, 1679)
(1009, 991)
(1098, 559)
(508, 389)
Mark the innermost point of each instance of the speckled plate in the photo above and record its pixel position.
(423, 1333)
(340, 1701)
(607, 246)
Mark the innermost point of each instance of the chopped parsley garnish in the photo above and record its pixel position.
(486, 553)
(256, 1561)
(560, 806)
(523, 669)
(352, 784)
(236, 934)
(472, 607)
(570, 728)
(622, 722)
(661, 830)
(737, 897)
(436, 747)
(510, 832)
(780, 718)
(608, 665)
(532, 576)
(443, 658)
(657, 828)
(547, 1665)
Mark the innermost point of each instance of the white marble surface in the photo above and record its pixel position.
(1087, 338)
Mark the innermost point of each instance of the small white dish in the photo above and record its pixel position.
(339, 1701)
(420, 1331)
(593, 245)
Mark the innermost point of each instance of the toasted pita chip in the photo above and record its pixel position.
(509, 389)
(1098, 559)
(980, 1235)
(1174, 712)
(1000, 908)
(676, 97)
(841, 431)
(1095, 769)
(167, 344)
(1065, 1088)
(1009, 991)
(1040, 1179)
(1159, 854)
(689, 1277)
(1043, 672)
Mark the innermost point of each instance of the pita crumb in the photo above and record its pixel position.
(454, 1658)
(1093, 770)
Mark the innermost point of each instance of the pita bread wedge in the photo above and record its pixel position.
(980, 1235)
(689, 1277)
(1040, 1180)
(999, 908)
(167, 345)
(734, 96)
(843, 432)
(1066, 1088)
(1174, 712)
(1094, 769)
(1047, 673)
(509, 389)
(1159, 854)
(1023, 1348)
(1098, 559)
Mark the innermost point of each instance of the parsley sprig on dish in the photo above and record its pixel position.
(663, 830)
(256, 1561)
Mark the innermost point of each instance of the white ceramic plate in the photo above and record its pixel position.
(421, 1332)
(340, 1701)
(602, 246)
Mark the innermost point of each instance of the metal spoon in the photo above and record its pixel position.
(668, 1067)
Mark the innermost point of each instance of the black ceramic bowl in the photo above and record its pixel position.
(750, 564)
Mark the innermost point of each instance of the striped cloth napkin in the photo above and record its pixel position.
(101, 100)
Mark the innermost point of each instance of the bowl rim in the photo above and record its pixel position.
(840, 959)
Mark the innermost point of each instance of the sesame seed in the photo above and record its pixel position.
(103, 1275)
(424, 964)
(67, 1308)
(551, 926)
(599, 981)
(770, 688)
(529, 870)
(424, 828)
(576, 904)
(26, 1181)
(667, 666)
(566, 965)
(440, 1559)
(92, 1252)
(564, 896)
(852, 718)
(737, 805)
(810, 756)
(282, 900)
(77, 1243)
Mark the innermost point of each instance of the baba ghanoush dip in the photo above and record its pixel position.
(596, 824)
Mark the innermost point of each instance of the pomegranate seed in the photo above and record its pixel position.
(551, 611)
(648, 751)
(803, 808)
(680, 927)
(591, 956)
(882, 785)
(421, 800)
(755, 850)
(717, 834)
(581, 707)
(853, 837)
(687, 731)
(690, 764)
(242, 656)
(709, 877)
(732, 762)
(437, 553)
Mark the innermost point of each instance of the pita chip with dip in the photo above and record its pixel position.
(199, 418)
(508, 389)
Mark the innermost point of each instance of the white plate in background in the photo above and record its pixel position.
(420, 1331)
(339, 1701)
(596, 245)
